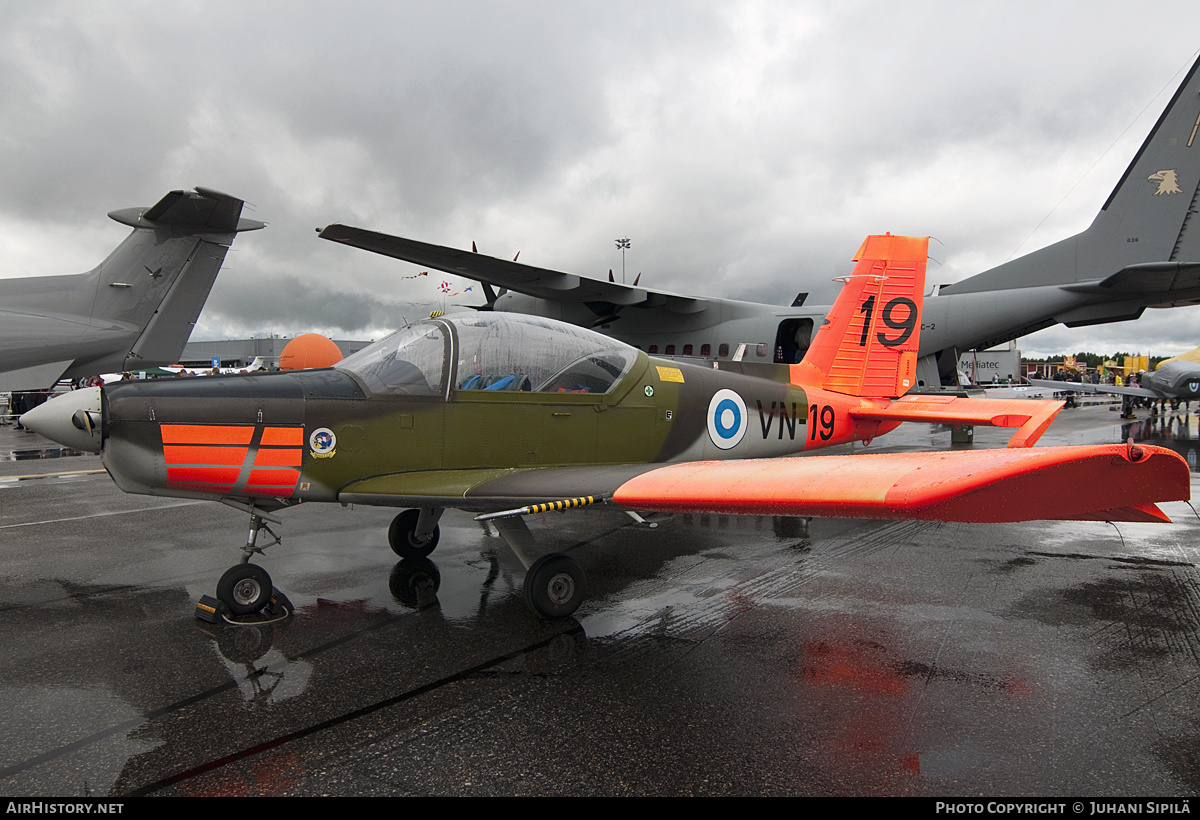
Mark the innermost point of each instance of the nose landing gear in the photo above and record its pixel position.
(245, 588)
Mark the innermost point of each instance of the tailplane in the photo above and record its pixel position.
(868, 344)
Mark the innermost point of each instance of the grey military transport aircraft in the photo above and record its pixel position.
(1137, 253)
(136, 309)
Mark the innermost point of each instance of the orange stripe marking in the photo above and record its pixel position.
(224, 456)
(218, 489)
(293, 436)
(274, 478)
(205, 434)
(278, 458)
(216, 475)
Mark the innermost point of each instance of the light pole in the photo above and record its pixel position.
(623, 244)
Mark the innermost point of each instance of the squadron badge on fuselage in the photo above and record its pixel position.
(321, 443)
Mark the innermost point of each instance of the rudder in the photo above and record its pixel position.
(868, 344)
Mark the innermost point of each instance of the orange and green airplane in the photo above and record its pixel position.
(505, 415)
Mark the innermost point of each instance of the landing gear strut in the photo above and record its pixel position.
(555, 584)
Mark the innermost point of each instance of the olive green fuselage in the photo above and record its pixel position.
(320, 436)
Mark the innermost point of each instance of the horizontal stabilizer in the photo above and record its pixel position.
(32, 378)
(1114, 482)
(202, 210)
(1030, 416)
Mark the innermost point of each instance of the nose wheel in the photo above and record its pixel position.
(244, 589)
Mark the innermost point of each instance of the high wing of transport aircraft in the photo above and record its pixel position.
(1137, 253)
(135, 310)
(507, 415)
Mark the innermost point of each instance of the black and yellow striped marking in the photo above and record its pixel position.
(549, 506)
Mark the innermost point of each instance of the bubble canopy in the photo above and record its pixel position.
(491, 352)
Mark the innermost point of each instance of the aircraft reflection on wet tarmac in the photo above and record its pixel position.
(718, 655)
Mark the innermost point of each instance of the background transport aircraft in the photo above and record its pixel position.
(509, 415)
(135, 310)
(1140, 251)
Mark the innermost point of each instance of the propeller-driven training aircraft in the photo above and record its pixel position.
(507, 415)
(135, 310)
(1137, 253)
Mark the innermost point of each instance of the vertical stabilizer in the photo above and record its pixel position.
(1150, 215)
(1143, 246)
(868, 344)
(137, 308)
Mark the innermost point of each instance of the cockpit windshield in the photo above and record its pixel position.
(494, 351)
(411, 361)
(503, 352)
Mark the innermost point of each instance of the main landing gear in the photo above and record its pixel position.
(555, 584)
(415, 533)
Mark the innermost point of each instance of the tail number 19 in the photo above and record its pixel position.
(825, 416)
(906, 326)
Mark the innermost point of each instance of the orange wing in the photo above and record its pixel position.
(1114, 482)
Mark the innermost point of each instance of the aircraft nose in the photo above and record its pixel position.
(72, 419)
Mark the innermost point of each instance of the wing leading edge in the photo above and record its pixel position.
(1114, 482)
(542, 283)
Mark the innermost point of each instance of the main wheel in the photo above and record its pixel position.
(402, 536)
(244, 589)
(555, 586)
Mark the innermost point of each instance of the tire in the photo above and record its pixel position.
(555, 586)
(402, 540)
(244, 589)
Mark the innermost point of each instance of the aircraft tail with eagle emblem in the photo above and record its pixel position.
(1142, 249)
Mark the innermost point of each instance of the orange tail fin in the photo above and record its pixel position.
(868, 344)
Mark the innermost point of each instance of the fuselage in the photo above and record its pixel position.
(448, 404)
(953, 321)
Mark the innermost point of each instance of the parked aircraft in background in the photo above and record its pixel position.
(135, 310)
(1138, 253)
(1173, 380)
(508, 415)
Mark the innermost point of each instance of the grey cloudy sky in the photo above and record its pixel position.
(745, 147)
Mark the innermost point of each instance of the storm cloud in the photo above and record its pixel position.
(745, 147)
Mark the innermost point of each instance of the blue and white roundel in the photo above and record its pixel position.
(726, 419)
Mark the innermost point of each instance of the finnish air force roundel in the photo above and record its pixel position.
(726, 419)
